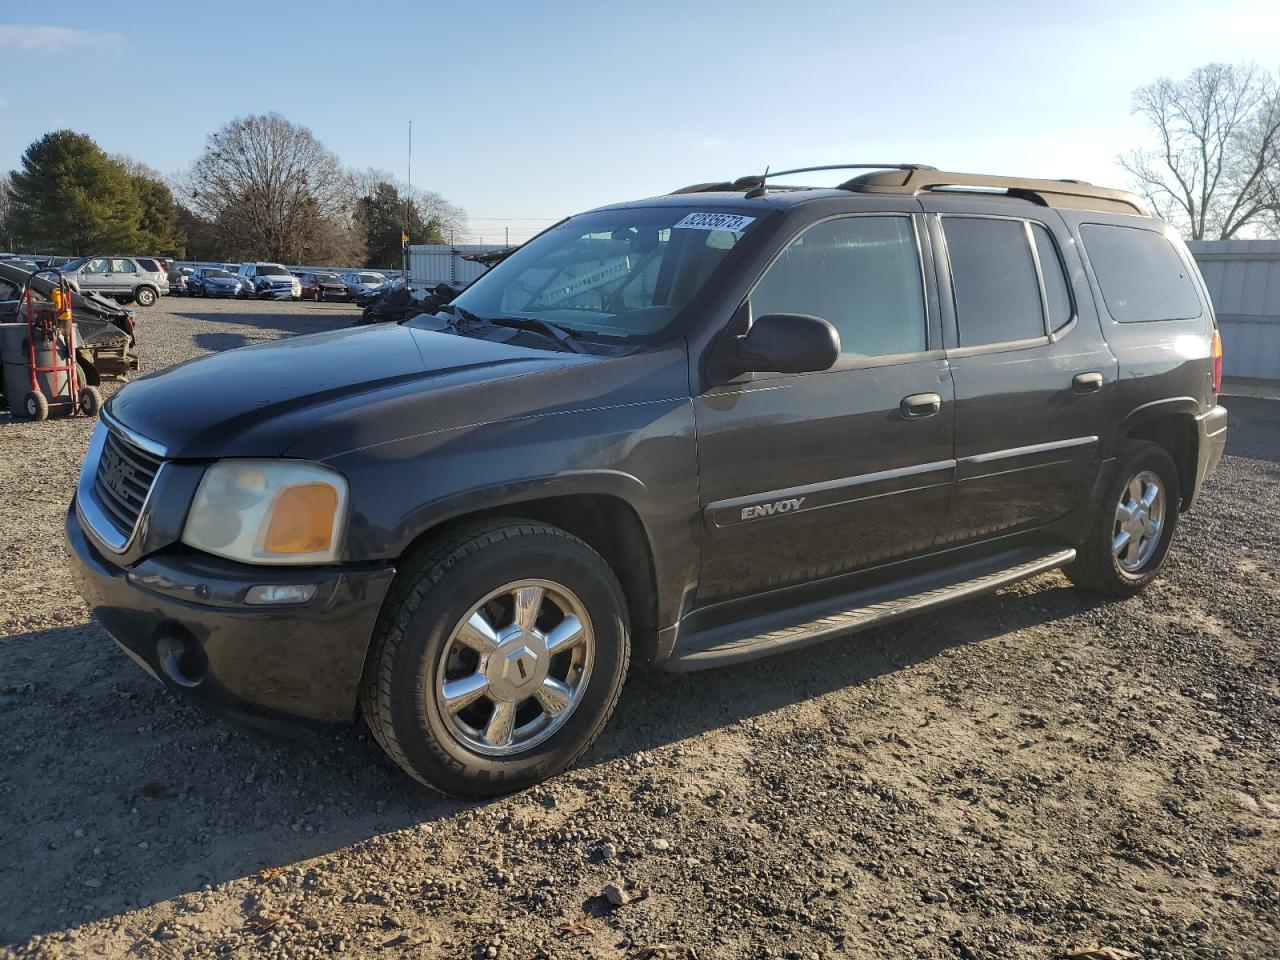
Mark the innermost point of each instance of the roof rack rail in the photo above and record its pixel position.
(755, 179)
(1071, 194)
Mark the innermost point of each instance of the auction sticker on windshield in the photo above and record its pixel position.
(714, 221)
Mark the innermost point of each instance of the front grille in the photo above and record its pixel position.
(124, 478)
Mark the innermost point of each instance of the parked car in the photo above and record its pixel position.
(178, 277)
(120, 278)
(362, 282)
(268, 281)
(213, 282)
(322, 285)
(695, 429)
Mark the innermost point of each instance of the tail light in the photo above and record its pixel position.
(1216, 353)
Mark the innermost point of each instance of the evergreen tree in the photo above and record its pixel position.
(71, 198)
(158, 219)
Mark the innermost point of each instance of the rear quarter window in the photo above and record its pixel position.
(1141, 276)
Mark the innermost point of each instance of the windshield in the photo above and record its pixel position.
(372, 278)
(328, 277)
(217, 275)
(612, 274)
(272, 270)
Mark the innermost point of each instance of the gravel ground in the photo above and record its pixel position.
(1023, 776)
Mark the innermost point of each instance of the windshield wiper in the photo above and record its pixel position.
(545, 327)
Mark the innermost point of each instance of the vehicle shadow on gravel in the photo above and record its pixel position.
(315, 319)
(124, 795)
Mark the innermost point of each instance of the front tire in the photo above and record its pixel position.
(497, 659)
(1132, 527)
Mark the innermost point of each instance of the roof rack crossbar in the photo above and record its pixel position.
(1050, 193)
(755, 179)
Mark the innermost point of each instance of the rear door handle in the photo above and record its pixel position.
(920, 405)
(1086, 382)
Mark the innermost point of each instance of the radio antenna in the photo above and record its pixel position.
(759, 190)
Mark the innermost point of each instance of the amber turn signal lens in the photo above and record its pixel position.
(1217, 362)
(302, 520)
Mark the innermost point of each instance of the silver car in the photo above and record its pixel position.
(121, 278)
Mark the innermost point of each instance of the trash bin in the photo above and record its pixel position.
(17, 371)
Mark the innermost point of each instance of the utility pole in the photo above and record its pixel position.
(408, 201)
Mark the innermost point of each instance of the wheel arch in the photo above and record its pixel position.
(1171, 424)
(605, 520)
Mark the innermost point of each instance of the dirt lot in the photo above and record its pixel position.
(1018, 777)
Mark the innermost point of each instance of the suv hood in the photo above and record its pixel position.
(259, 401)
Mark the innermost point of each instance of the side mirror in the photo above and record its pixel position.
(788, 343)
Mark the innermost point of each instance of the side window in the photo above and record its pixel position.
(1141, 275)
(123, 266)
(98, 265)
(1056, 293)
(860, 273)
(994, 279)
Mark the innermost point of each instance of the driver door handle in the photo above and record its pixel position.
(920, 405)
(1086, 382)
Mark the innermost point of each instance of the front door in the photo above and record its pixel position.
(808, 476)
(95, 276)
(1034, 378)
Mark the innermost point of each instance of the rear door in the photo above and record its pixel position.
(1034, 378)
(124, 276)
(804, 477)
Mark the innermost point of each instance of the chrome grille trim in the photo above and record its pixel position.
(111, 520)
(124, 499)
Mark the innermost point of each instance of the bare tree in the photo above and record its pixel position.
(272, 190)
(136, 168)
(1216, 135)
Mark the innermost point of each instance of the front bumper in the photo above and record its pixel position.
(278, 293)
(183, 620)
(1212, 430)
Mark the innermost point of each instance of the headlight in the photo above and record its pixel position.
(268, 511)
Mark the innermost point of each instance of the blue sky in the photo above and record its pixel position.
(526, 111)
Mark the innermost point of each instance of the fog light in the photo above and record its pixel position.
(280, 593)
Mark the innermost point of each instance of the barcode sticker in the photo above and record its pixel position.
(715, 221)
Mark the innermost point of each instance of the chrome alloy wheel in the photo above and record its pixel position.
(515, 667)
(1139, 522)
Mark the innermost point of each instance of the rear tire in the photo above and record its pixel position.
(425, 642)
(1127, 539)
(145, 296)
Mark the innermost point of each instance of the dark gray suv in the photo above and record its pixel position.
(694, 429)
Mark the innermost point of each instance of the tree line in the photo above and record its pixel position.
(263, 188)
(267, 188)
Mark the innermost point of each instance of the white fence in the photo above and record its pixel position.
(433, 263)
(1243, 277)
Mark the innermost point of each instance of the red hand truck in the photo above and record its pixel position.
(51, 322)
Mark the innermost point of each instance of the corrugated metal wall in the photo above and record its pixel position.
(432, 263)
(1243, 277)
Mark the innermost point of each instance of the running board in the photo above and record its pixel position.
(872, 607)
